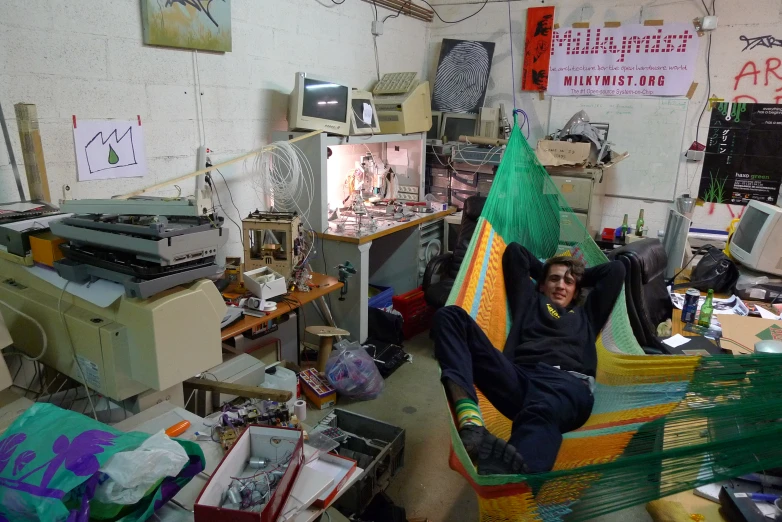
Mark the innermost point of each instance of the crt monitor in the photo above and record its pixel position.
(319, 104)
(458, 124)
(434, 132)
(756, 242)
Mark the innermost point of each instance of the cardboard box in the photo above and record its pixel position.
(555, 153)
(45, 248)
(265, 290)
(319, 393)
(748, 331)
(256, 441)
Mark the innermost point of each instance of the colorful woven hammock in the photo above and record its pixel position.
(660, 424)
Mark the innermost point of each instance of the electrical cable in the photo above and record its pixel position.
(708, 72)
(512, 67)
(338, 3)
(231, 196)
(377, 59)
(398, 12)
(44, 339)
(455, 21)
(73, 348)
(220, 203)
(374, 4)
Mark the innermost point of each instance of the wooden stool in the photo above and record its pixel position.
(326, 334)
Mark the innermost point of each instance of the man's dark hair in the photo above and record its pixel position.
(575, 267)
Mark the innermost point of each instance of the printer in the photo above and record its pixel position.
(164, 328)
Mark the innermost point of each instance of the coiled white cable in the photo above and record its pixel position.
(44, 339)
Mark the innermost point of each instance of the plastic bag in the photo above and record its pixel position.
(353, 373)
(132, 473)
(50, 462)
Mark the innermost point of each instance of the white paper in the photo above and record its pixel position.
(101, 293)
(108, 149)
(397, 157)
(21, 206)
(367, 115)
(676, 340)
(731, 305)
(765, 314)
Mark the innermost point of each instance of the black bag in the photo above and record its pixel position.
(714, 271)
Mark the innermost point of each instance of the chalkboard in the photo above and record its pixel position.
(649, 129)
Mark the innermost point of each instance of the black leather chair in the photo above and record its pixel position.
(648, 301)
(447, 265)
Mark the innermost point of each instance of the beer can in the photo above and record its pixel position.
(690, 308)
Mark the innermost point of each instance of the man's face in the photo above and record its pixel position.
(559, 286)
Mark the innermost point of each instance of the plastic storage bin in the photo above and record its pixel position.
(378, 447)
(380, 296)
(417, 315)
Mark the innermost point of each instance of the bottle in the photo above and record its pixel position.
(704, 319)
(639, 225)
(624, 228)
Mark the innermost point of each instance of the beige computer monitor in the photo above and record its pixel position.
(319, 104)
(405, 113)
(358, 124)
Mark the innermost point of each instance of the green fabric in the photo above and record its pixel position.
(727, 421)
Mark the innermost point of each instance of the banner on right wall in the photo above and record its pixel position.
(742, 154)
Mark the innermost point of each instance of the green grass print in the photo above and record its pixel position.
(199, 37)
(715, 193)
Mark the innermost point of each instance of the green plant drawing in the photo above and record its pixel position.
(113, 158)
(734, 110)
(715, 192)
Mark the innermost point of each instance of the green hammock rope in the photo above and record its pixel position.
(660, 425)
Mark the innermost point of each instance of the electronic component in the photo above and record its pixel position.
(362, 109)
(457, 124)
(395, 83)
(488, 122)
(275, 241)
(319, 104)
(405, 113)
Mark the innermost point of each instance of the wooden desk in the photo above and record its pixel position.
(384, 230)
(325, 285)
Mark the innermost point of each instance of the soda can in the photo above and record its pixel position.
(690, 308)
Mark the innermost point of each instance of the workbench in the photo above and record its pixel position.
(387, 256)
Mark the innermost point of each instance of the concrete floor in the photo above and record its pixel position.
(426, 486)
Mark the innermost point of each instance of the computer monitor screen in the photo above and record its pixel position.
(749, 228)
(325, 100)
(358, 109)
(434, 132)
(455, 127)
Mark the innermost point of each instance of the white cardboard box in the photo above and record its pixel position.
(265, 290)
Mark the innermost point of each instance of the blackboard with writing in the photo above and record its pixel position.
(743, 154)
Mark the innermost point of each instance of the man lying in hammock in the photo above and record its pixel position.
(544, 379)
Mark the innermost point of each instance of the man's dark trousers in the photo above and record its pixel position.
(542, 401)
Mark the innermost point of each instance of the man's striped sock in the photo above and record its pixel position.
(467, 412)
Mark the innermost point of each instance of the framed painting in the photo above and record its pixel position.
(204, 25)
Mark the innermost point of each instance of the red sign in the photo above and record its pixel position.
(537, 48)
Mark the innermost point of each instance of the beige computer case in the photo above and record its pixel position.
(405, 113)
(129, 347)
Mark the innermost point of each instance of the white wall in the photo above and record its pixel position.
(87, 58)
(736, 17)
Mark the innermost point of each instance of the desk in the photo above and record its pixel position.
(393, 255)
(324, 285)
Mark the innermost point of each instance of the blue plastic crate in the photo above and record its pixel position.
(382, 296)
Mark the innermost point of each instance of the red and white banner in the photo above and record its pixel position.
(631, 60)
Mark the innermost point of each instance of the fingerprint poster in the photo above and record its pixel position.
(537, 48)
(742, 154)
(462, 75)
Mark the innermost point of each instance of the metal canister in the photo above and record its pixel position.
(690, 308)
